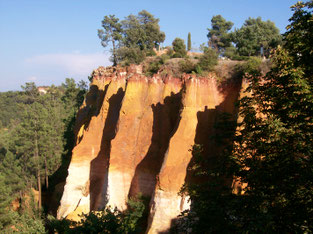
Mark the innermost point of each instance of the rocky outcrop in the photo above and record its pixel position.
(134, 135)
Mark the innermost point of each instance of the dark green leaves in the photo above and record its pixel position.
(254, 35)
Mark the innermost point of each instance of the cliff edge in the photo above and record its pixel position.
(134, 134)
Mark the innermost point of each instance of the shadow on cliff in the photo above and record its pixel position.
(214, 133)
(166, 118)
(92, 107)
(99, 181)
(216, 127)
(93, 103)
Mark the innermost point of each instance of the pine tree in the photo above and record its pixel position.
(219, 36)
(112, 33)
(11, 187)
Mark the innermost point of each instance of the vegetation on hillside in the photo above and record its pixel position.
(179, 48)
(108, 220)
(138, 37)
(33, 142)
(270, 153)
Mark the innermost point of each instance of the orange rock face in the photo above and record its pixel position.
(134, 135)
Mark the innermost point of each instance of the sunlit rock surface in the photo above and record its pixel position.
(134, 135)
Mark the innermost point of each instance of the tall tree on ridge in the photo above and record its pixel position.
(254, 35)
(112, 33)
(219, 37)
(151, 28)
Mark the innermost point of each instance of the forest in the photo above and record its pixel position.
(269, 151)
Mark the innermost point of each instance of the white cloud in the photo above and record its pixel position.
(75, 64)
(32, 78)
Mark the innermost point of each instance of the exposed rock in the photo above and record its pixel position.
(134, 135)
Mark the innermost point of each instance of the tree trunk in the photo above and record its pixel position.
(114, 53)
(46, 173)
(38, 171)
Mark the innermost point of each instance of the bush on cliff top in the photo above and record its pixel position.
(179, 48)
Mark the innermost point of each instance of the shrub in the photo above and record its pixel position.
(251, 66)
(150, 53)
(155, 65)
(208, 60)
(187, 66)
(179, 48)
(170, 51)
(127, 56)
(153, 68)
(164, 58)
(106, 221)
(230, 52)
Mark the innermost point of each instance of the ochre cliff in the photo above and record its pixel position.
(134, 135)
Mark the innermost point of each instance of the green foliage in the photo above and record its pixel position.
(170, 51)
(205, 63)
(189, 42)
(10, 108)
(127, 56)
(112, 33)
(255, 34)
(251, 66)
(107, 221)
(187, 66)
(142, 31)
(132, 216)
(219, 37)
(153, 36)
(23, 221)
(272, 153)
(5, 201)
(280, 162)
(299, 35)
(230, 52)
(140, 35)
(32, 147)
(208, 60)
(164, 58)
(155, 65)
(179, 48)
(153, 68)
(26, 224)
(150, 53)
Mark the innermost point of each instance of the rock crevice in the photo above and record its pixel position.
(134, 135)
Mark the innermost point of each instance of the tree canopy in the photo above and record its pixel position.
(254, 35)
(179, 48)
(132, 38)
(219, 37)
(32, 148)
(111, 32)
(272, 151)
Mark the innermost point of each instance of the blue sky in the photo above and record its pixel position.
(46, 41)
